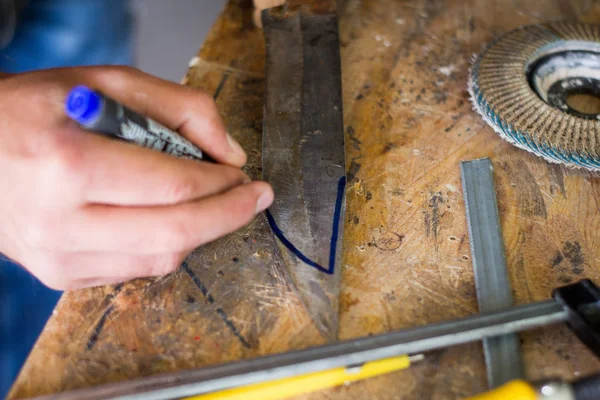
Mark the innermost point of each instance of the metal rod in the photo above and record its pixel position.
(502, 353)
(322, 358)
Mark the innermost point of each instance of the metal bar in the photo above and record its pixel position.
(313, 7)
(303, 152)
(322, 358)
(502, 353)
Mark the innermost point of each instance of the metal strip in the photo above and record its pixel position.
(316, 359)
(502, 354)
(303, 152)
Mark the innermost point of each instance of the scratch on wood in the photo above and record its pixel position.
(100, 325)
(232, 327)
(159, 280)
(434, 204)
(439, 297)
(521, 274)
(529, 197)
(98, 328)
(556, 179)
(220, 87)
(460, 244)
(220, 312)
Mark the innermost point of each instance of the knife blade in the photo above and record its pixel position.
(303, 151)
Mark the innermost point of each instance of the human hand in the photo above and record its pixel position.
(260, 5)
(80, 209)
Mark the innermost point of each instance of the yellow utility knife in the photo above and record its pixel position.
(302, 384)
(587, 388)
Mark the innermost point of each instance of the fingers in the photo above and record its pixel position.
(260, 5)
(156, 230)
(126, 175)
(70, 271)
(190, 112)
(86, 210)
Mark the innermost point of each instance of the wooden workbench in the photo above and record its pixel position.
(407, 260)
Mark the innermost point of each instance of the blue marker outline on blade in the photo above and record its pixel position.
(334, 233)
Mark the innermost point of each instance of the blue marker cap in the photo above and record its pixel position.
(83, 105)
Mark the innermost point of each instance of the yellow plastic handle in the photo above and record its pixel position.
(295, 386)
(514, 390)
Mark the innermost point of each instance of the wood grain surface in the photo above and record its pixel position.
(408, 123)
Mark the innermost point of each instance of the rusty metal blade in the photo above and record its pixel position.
(303, 154)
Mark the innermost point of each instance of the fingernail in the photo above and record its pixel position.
(264, 201)
(235, 146)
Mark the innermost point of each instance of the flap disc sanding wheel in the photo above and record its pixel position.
(539, 88)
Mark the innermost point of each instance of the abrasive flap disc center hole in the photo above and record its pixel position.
(538, 87)
(568, 80)
(584, 103)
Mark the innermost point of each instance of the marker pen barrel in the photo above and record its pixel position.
(96, 112)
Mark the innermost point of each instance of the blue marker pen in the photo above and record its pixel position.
(95, 112)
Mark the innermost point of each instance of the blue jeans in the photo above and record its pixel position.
(52, 33)
(25, 305)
